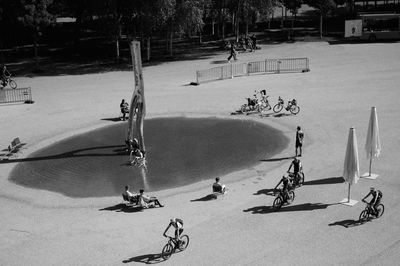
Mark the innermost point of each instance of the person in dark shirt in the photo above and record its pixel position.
(299, 141)
(376, 199)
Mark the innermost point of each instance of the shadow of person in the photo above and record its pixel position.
(121, 207)
(205, 198)
(325, 181)
(289, 208)
(277, 159)
(146, 259)
(347, 223)
(266, 191)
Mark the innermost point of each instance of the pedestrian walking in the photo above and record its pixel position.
(233, 53)
(299, 140)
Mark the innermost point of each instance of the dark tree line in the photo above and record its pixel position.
(145, 19)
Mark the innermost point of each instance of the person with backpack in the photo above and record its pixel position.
(299, 141)
(178, 225)
(376, 199)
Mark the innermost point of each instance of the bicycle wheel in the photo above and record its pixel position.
(363, 216)
(167, 251)
(13, 84)
(184, 242)
(294, 109)
(381, 209)
(277, 108)
(291, 197)
(277, 203)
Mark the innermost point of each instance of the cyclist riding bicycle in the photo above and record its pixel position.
(376, 199)
(4, 75)
(297, 167)
(178, 225)
(285, 187)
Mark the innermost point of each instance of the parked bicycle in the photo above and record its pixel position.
(174, 245)
(369, 213)
(8, 81)
(297, 180)
(281, 199)
(291, 106)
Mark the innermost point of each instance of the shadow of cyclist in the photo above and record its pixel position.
(146, 259)
(290, 208)
(347, 223)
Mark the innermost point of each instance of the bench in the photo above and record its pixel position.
(14, 147)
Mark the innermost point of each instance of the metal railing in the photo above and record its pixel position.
(15, 95)
(266, 66)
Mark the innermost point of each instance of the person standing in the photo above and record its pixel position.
(233, 52)
(299, 141)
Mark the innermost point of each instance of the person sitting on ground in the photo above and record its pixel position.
(4, 75)
(251, 102)
(178, 225)
(376, 199)
(136, 155)
(285, 187)
(218, 187)
(124, 106)
(132, 197)
(146, 200)
(297, 168)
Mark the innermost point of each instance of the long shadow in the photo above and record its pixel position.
(147, 259)
(275, 115)
(325, 181)
(290, 208)
(220, 61)
(112, 119)
(121, 207)
(347, 223)
(277, 159)
(205, 198)
(266, 191)
(71, 154)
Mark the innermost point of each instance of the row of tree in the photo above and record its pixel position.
(148, 18)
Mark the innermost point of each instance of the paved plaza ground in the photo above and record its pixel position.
(40, 227)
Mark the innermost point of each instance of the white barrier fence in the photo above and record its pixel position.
(269, 66)
(16, 95)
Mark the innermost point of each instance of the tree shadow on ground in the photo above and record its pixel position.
(205, 198)
(147, 259)
(325, 181)
(266, 191)
(70, 154)
(277, 159)
(290, 208)
(347, 223)
(121, 207)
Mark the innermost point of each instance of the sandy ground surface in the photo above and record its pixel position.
(44, 228)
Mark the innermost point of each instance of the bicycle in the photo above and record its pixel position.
(173, 245)
(280, 199)
(297, 180)
(292, 106)
(368, 212)
(8, 81)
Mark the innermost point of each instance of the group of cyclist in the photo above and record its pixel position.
(289, 182)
